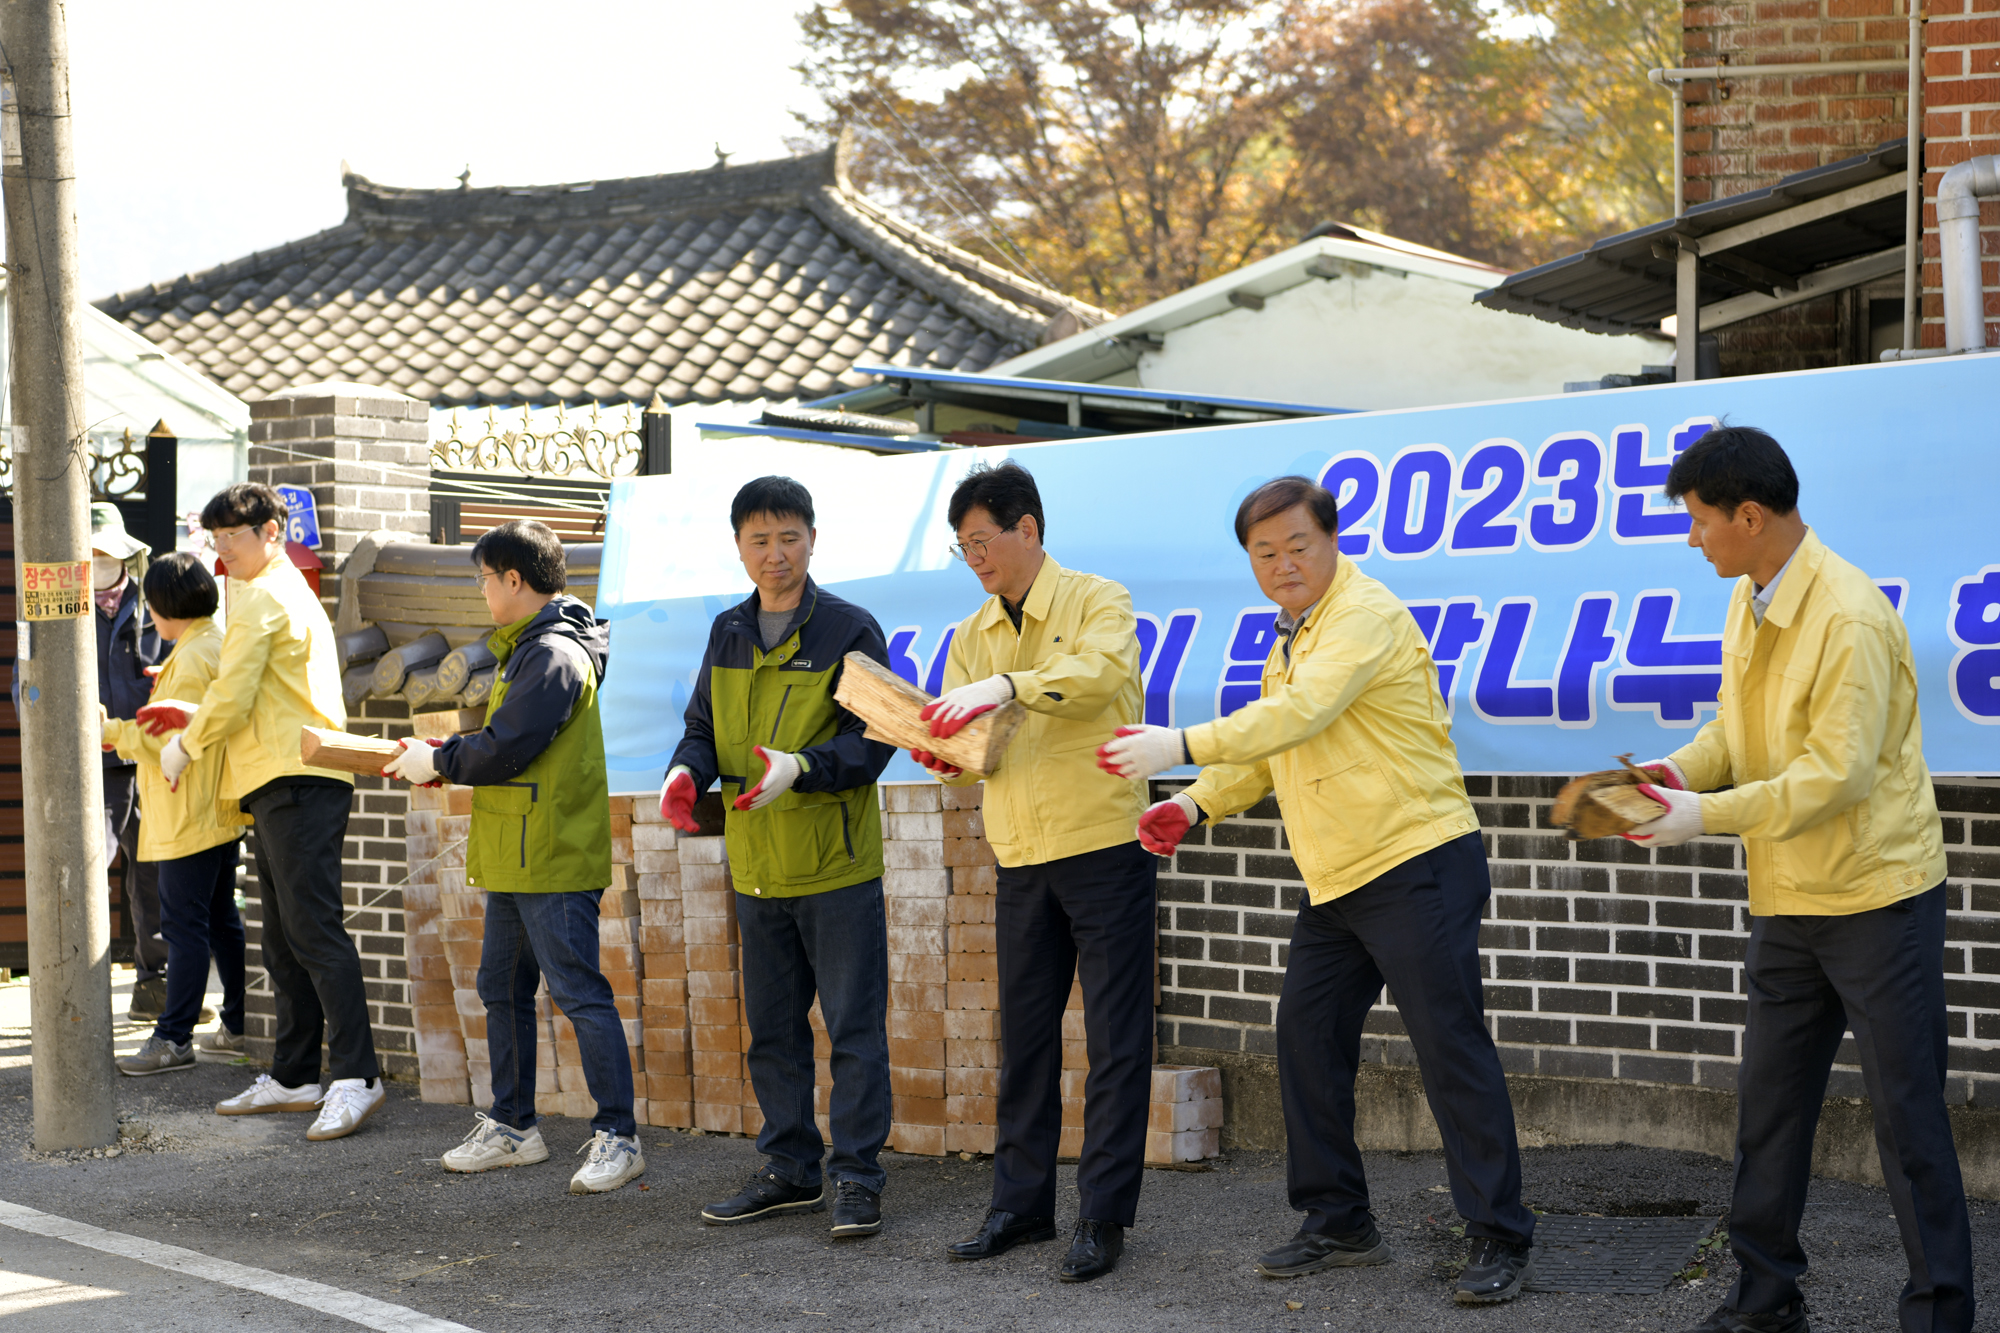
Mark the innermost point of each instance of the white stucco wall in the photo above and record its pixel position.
(1382, 340)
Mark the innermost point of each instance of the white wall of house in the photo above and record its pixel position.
(1373, 323)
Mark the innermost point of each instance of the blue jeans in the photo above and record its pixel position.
(198, 917)
(528, 936)
(836, 945)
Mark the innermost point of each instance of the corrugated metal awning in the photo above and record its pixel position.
(1811, 233)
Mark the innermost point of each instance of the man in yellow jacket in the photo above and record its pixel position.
(1351, 733)
(188, 833)
(278, 674)
(1075, 889)
(1820, 745)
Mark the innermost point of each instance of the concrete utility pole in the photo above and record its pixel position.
(69, 928)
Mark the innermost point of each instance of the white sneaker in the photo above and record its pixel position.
(349, 1101)
(492, 1144)
(614, 1159)
(267, 1094)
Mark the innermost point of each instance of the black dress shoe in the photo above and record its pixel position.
(1310, 1251)
(765, 1196)
(1001, 1232)
(1494, 1272)
(1093, 1251)
(1791, 1319)
(857, 1210)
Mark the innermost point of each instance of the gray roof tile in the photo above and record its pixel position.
(765, 280)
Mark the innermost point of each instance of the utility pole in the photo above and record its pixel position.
(69, 928)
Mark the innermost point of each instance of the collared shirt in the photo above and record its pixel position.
(1760, 601)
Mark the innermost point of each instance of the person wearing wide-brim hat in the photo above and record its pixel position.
(127, 643)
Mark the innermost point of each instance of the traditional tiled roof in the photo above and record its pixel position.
(770, 279)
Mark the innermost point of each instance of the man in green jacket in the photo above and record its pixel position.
(540, 846)
(805, 851)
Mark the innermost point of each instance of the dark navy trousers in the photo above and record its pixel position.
(1089, 918)
(1811, 979)
(1416, 927)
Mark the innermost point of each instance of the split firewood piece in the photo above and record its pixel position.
(447, 722)
(890, 706)
(1606, 803)
(345, 751)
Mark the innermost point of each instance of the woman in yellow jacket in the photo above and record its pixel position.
(188, 832)
(1352, 735)
(1820, 748)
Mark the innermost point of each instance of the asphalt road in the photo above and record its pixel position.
(373, 1214)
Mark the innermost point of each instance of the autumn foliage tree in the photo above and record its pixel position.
(1123, 150)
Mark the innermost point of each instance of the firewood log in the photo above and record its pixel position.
(448, 722)
(890, 706)
(345, 751)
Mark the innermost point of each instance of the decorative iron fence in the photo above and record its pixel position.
(597, 447)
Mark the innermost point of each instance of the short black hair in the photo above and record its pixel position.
(528, 548)
(1274, 497)
(1007, 492)
(780, 497)
(1731, 464)
(179, 587)
(247, 504)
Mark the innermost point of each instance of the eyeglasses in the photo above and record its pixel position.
(229, 536)
(966, 550)
(479, 579)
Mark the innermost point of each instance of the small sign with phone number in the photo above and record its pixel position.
(59, 591)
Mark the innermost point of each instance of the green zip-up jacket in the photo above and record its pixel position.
(541, 805)
(826, 832)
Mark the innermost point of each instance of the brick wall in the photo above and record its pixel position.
(1961, 120)
(1743, 134)
(1602, 959)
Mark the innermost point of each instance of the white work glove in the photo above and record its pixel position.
(1675, 778)
(1681, 822)
(950, 711)
(677, 798)
(174, 761)
(416, 764)
(1140, 752)
(781, 770)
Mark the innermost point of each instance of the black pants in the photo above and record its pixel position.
(141, 879)
(1090, 918)
(1416, 928)
(1812, 978)
(315, 969)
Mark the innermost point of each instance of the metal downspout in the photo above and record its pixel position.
(1958, 199)
(1913, 192)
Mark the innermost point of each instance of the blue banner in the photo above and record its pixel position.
(1568, 617)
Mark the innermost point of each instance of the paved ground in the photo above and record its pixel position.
(510, 1250)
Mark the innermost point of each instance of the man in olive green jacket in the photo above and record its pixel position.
(805, 853)
(540, 845)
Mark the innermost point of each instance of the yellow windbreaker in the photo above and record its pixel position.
(1352, 735)
(190, 819)
(278, 673)
(1075, 666)
(1819, 733)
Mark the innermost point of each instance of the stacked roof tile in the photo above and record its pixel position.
(771, 279)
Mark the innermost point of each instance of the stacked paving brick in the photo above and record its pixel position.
(716, 1037)
(437, 867)
(916, 887)
(1184, 1123)
(663, 1014)
(972, 1022)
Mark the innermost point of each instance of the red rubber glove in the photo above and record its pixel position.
(1165, 823)
(935, 765)
(781, 770)
(167, 715)
(677, 798)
